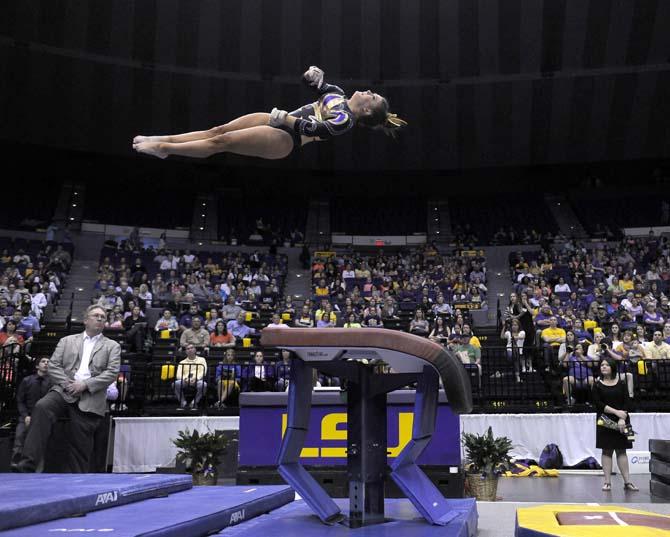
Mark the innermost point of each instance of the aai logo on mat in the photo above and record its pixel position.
(106, 497)
(237, 516)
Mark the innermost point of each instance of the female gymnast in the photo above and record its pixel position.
(277, 134)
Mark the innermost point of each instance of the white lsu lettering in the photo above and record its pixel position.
(106, 497)
(237, 516)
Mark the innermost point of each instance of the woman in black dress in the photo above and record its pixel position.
(610, 397)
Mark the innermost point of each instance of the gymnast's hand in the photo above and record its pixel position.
(314, 76)
(277, 117)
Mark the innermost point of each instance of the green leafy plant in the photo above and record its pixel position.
(200, 453)
(485, 454)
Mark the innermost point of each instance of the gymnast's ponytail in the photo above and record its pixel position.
(381, 119)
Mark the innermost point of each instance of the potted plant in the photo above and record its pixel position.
(486, 458)
(201, 453)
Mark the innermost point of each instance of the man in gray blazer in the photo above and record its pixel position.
(81, 368)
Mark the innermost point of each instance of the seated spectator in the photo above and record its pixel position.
(197, 335)
(109, 299)
(186, 319)
(542, 319)
(9, 337)
(352, 322)
(259, 376)
(594, 350)
(304, 320)
(389, 310)
(213, 318)
(652, 319)
(372, 310)
(325, 321)
(322, 289)
(228, 378)
(552, 337)
(641, 334)
(145, 297)
(635, 309)
(191, 373)
(135, 326)
(657, 349)
(231, 310)
(238, 328)
(372, 322)
(38, 301)
(616, 336)
(166, 322)
(115, 321)
(31, 390)
(440, 332)
(276, 322)
(666, 332)
(5, 309)
(441, 307)
(326, 308)
(419, 325)
(26, 324)
(468, 354)
(561, 286)
(466, 331)
(284, 371)
(579, 374)
(220, 337)
(583, 336)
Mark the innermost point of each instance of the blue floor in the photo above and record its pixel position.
(31, 498)
(297, 519)
(199, 511)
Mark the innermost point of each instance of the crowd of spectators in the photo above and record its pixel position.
(578, 304)
(199, 300)
(187, 285)
(423, 292)
(31, 276)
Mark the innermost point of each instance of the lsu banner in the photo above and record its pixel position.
(262, 429)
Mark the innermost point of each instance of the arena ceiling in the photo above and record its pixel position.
(481, 82)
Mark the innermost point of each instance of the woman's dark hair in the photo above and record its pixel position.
(216, 329)
(380, 118)
(613, 365)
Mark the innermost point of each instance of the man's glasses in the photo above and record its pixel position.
(100, 316)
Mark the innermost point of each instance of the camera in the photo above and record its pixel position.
(603, 346)
(570, 349)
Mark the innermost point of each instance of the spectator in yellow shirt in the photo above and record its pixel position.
(321, 289)
(552, 337)
(191, 373)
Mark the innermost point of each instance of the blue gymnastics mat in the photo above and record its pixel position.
(402, 520)
(199, 511)
(31, 498)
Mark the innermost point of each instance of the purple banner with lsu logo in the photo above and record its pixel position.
(262, 428)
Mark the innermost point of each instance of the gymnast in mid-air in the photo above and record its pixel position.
(277, 134)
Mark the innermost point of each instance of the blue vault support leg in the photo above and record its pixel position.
(414, 483)
(299, 408)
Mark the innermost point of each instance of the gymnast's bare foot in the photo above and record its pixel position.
(151, 148)
(140, 139)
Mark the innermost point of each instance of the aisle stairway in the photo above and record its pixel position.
(80, 282)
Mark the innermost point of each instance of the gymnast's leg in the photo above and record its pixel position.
(244, 122)
(263, 142)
